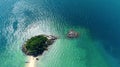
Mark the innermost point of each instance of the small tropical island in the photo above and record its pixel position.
(36, 45)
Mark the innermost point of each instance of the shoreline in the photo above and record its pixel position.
(31, 62)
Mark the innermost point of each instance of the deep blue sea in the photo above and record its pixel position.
(98, 22)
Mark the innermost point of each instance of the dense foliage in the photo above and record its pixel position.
(36, 45)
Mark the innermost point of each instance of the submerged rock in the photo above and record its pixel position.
(37, 59)
(72, 34)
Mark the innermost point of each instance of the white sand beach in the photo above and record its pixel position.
(31, 62)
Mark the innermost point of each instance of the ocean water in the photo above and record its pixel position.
(97, 21)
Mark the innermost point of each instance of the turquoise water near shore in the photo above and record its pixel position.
(96, 21)
(80, 52)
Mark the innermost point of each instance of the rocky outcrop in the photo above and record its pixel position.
(72, 34)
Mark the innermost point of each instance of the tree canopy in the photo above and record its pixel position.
(35, 45)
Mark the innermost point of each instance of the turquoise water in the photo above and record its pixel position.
(96, 21)
(80, 52)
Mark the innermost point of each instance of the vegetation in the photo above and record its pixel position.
(36, 45)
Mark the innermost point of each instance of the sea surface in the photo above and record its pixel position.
(96, 21)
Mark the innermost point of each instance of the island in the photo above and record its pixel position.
(72, 34)
(36, 45)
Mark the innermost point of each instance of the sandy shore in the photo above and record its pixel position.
(31, 62)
